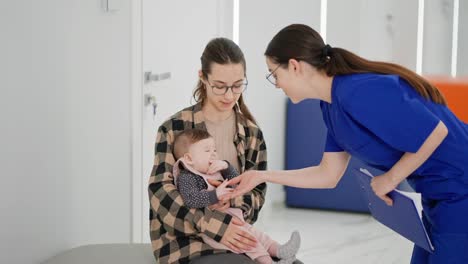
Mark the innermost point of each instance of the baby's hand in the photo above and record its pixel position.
(223, 189)
(217, 165)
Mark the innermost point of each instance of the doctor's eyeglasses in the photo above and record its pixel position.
(270, 77)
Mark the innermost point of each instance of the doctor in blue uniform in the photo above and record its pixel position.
(387, 116)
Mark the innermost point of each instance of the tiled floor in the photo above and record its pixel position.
(335, 237)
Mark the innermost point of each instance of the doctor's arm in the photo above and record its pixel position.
(326, 175)
(408, 163)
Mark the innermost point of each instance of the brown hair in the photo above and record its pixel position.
(221, 51)
(303, 43)
(186, 138)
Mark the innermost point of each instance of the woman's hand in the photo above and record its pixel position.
(236, 238)
(217, 165)
(247, 181)
(382, 185)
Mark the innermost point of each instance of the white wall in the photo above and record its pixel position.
(462, 64)
(437, 49)
(375, 29)
(259, 22)
(341, 34)
(65, 133)
(388, 31)
(99, 103)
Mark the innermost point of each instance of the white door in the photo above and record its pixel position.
(174, 34)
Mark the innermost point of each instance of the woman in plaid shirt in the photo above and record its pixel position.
(175, 228)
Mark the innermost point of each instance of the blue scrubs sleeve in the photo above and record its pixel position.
(392, 112)
(331, 145)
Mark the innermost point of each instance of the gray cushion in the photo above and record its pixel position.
(106, 253)
(129, 254)
(229, 258)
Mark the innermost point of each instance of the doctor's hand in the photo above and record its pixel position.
(382, 185)
(223, 190)
(247, 181)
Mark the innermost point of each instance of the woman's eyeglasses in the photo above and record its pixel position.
(235, 88)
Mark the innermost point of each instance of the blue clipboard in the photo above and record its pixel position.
(402, 217)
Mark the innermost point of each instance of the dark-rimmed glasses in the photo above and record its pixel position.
(235, 88)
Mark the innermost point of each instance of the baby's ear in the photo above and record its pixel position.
(188, 158)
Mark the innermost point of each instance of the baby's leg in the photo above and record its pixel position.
(273, 249)
(267, 247)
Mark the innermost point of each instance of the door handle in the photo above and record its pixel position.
(150, 99)
(155, 77)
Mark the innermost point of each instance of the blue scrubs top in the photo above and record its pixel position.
(377, 118)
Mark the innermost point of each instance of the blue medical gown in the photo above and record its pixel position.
(377, 118)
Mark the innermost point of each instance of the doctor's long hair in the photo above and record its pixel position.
(302, 43)
(222, 51)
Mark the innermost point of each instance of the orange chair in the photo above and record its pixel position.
(455, 92)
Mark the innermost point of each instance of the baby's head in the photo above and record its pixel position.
(197, 147)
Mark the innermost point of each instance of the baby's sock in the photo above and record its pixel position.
(290, 248)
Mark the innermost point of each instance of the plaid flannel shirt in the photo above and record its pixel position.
(174, 227)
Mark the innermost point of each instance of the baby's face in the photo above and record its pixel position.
(202, 153)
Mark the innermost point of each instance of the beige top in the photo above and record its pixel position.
(223, 133)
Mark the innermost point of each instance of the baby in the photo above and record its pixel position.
(197, 162)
